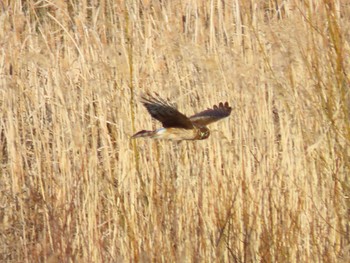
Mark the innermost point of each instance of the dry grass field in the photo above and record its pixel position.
(271, 183)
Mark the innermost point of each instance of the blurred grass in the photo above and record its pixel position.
(270, 184)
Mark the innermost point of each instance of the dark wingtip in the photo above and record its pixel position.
(149, 98)
(223, 105)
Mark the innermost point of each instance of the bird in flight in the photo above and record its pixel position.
(176, 126)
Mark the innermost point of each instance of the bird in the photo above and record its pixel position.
(176, 125)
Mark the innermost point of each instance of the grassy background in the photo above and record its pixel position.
(271, 184)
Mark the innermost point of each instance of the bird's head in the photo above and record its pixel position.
(203, 133)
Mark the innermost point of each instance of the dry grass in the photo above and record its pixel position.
(271, 184)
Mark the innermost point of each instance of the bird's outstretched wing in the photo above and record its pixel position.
(165, 112)
(211, 115)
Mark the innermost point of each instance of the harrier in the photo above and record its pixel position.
(176, 126)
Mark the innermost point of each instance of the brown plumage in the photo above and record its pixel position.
(176, 126)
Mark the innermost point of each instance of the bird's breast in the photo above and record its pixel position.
(175, 134)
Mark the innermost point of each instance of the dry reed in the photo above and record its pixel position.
(271, 184)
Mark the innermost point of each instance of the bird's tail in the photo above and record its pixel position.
(143, 133)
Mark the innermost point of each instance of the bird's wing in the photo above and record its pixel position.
(165, 112)
(208, 116)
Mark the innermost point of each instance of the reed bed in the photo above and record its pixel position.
(271, 183)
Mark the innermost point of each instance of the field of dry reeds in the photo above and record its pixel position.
(271, 183)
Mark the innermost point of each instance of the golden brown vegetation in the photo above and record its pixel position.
(271, 184)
